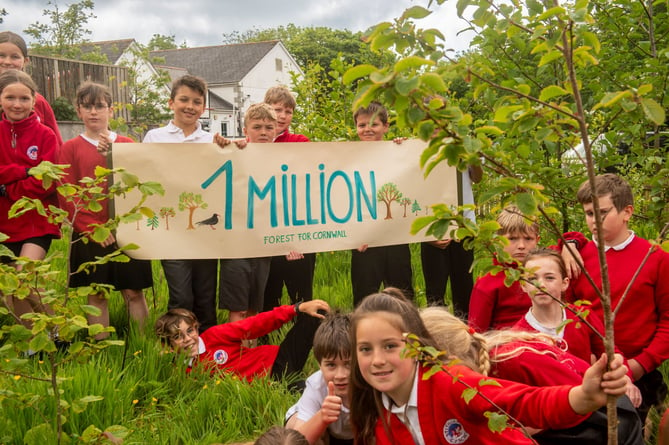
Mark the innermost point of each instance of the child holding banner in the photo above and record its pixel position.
(84, 154)
(191, 283)
(295, 270)
(243, 280)
(387, 265)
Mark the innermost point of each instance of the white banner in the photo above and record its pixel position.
(270, 199)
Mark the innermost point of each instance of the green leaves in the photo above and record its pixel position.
(412, 63)
(653, 111)
(416, 12)
(358, 72)
(552, 91)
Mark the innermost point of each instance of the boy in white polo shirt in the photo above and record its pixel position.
(322, 412)
(191, 283)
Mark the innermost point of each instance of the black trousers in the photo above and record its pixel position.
(295, 347)
(653, 392)
(389, 266)
(297, 276)
(192, 286)
(440, 265)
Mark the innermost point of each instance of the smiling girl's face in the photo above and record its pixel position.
(16, 101)
(379, 345)
(546, 271)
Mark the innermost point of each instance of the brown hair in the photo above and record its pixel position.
(167, 326)
(261, 111)
(366, 406)
(607, 184)
(278, 435)
(193, 82)
(10, 77)
(280, 95)
(15, 39)
(331, 339)
(374, 109)
(457, 339)
(89, 93)
(511, 220)
(544, 252)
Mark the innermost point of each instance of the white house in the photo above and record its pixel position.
(237, 75)
(123, 53)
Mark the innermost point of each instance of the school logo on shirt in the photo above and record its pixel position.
(454, 432)
(220, 357)
(32, 152)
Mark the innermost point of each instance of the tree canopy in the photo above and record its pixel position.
(314, 45)
(64, 32)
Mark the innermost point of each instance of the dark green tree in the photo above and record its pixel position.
(160, 41)
(64, 32)
(315, 45)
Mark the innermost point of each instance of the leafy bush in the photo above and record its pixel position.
(64, 110)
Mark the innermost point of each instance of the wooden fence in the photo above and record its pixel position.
(61, 77)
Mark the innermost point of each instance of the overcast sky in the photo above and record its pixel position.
(202, 22)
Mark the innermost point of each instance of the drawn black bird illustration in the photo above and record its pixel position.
(211, 222)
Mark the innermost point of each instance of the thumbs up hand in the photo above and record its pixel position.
(331, 407)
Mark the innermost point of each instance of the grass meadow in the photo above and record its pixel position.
(146, 392)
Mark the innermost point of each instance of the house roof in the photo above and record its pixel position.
(173, 71)
(113, 49)
(217, 64)
(216, 102)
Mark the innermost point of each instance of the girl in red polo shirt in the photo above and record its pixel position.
(392, 401)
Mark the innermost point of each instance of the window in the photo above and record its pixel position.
(279, 64)
(224, 129)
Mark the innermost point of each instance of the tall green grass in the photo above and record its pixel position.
(148, 392)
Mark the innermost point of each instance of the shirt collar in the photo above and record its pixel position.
(413, 398)
(620, 246)
(174, 129)
(95, 142)
(532, 321)
(408, 413)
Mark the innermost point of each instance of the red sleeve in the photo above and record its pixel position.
(657, 351)
(11, 173)
(84, 219)
(482, 303)
(46, 116)
(30, 186)
(538, 407)
(580, 239)
(255, 326)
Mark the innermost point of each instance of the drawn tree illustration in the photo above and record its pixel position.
(191, 202)
(405, 202)
(167, 213)
(153, 222)
(415, 207)
(387, 194)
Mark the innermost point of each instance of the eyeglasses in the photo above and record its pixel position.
(98, 107)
